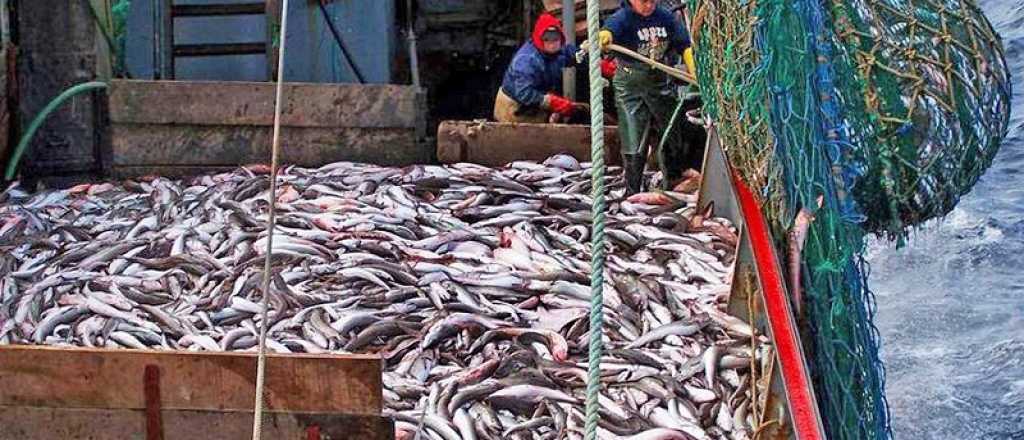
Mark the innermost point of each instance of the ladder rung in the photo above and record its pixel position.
(218, 9)
(204, 50)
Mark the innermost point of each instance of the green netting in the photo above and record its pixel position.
(888, 110)
(930, 84)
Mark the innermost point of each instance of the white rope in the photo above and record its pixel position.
(261, 360)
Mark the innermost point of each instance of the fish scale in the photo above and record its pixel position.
(471, 281)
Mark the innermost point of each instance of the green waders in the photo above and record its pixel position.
(646, 97)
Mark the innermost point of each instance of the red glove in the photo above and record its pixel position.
(608, 67)
(560, 105)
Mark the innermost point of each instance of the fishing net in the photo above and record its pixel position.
(888, 110)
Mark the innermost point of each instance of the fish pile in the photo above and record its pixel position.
(472, 283)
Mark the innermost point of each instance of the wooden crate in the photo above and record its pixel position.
(188, 127)
(498, 143)
(48, 393)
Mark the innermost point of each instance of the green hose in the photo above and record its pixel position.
(12, 166)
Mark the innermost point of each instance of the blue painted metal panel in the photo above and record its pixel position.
(221, 68)
(221, 29)
(226, 29)
(368, 29)
(139, 41)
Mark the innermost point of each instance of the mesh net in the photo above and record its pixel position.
(930, 84)
(888, 110)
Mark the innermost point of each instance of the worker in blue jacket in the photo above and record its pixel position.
(532, 87)
(643, 93)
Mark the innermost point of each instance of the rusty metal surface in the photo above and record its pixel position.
(498, 143)
(251, 103)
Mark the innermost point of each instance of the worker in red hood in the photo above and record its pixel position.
(532, 88)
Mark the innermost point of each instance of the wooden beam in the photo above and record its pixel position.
(48, 377)
(26, 423)
(498, 143)
(167, 171)
(174, 124)
(204, 146)
(249, 103)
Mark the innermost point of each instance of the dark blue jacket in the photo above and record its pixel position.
(660, 36)
(532, 73)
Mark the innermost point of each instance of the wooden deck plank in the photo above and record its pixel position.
(25, 423)
(204, 146)
(252, 103)
(498, 143)
(50, 377)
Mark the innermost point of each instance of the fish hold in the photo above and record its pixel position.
(471, 283)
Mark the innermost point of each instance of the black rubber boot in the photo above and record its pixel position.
(633, 166)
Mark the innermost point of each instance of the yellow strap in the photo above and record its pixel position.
(691, 65)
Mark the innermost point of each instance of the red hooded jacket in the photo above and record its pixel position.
(544, 22)
(533, 74)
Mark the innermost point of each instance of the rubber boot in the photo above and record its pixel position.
(633, 166)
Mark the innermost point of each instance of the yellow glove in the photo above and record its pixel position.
(691, 65)
(605, 38)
